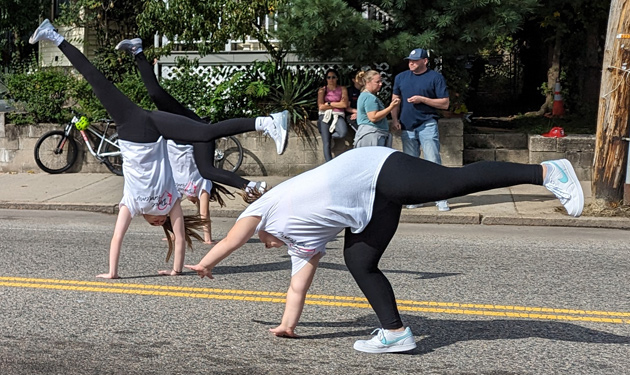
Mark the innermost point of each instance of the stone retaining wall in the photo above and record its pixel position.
(579, 149)
(17, 144)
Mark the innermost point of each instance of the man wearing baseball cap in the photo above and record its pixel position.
(422, 92)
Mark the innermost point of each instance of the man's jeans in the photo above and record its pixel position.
(426, 135)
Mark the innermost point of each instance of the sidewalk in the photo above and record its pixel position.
(97, 192)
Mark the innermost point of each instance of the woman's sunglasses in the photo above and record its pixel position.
(331, 77)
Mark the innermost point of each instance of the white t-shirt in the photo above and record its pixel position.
(149, 187)
(309, 210)
(187, 177)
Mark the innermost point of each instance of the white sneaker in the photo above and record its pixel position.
(564, 184)
(387, 341)
(133, 46)
(278, 129)
(45, 31)
(412, 206)
(442, 206)
(260, 187)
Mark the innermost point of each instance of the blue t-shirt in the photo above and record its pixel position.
(369, 102)
(407, 84)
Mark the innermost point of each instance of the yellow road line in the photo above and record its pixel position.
(542, 313)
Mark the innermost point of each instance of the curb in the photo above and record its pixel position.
(418, 218)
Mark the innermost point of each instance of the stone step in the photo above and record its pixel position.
(511, 141)
(497, 154)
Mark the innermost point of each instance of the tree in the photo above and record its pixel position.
(209, 25)
(110, 21)
(17, 20)
(570, 33)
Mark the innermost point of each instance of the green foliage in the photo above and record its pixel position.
(238, 96)
(43, 94)
(18, 19)
(329, 30)
(295, 92)
(109, 22)
(208, 25)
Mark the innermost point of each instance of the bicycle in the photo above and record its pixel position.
(57, 150)
(228, 153)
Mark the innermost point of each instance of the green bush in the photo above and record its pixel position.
(40, 94)
(238, 96)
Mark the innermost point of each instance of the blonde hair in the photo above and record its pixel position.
(365, 77)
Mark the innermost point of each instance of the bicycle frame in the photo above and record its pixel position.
(102, 136)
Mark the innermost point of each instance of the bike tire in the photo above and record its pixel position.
(228, 154)
(113, 163)
(50, 158)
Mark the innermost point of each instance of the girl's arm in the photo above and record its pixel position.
(300, 283)
(122, 224)
(177, 221)
(242, 231)
(204, 211)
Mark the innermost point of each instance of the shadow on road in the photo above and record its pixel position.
(432, 334)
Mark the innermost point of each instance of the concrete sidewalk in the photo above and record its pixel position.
(97, 192)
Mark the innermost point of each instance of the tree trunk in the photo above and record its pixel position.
(609, 165)
(552, 74)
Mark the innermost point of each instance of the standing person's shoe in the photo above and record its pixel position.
(45, 31)
(564, 184)
(278, 130)
(133, 46)
(442, 206)
(412, 206)
(387, 341)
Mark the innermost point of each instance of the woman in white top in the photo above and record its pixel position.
(149, 189)
(362, 192)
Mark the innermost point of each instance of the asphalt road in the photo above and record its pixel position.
(479, 299)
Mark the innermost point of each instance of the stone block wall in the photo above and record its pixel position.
(17, 144)
(579, 149)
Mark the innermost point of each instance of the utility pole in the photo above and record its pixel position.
(611, 147)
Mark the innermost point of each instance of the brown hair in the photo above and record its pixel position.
(192, 224)
(252, 195)
(216, 197)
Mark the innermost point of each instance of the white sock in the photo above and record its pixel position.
(263, 122)
(550, 169)
(395, 333)
(56, 38)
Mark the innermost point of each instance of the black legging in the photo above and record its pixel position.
(138, 125)
(402, 180)
(204, 151)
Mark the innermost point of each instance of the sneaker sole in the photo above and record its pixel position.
(573, 177)
(390, 349)
(284, 139)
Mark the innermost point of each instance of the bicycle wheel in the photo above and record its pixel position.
(228, 153)
(54, 153)
(113, 163)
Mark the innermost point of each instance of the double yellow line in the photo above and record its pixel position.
(505, 311)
